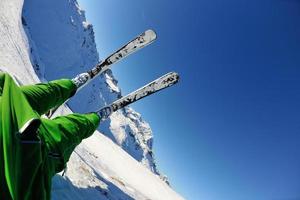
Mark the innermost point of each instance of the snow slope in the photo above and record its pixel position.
(14, 48)
(99, 168)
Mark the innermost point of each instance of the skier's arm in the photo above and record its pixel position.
(44, 96)
(62, 134)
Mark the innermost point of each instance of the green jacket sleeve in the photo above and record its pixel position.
(44, 96)
(62, 134)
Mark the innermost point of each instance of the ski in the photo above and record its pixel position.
(163, 82)
(134, 45)
(138, 43)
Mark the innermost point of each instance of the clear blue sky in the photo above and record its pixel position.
(231, 129)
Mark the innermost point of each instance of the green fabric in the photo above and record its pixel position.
(26, 169)
(42, 97)
(63, 134)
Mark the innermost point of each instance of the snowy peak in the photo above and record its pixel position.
(65, 45)
(129, 130)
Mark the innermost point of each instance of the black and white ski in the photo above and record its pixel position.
(134, 45)
(161, 83)
(138, 43)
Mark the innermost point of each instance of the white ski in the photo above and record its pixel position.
(134, 45)
(138, 43)
(161, 83)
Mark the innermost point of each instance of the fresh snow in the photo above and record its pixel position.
(54, 40)
(14, 46)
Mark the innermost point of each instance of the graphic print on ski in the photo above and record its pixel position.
(138, 43)
(163, 82)
(134, 45)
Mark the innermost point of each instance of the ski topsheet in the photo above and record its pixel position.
(134, 45)
(137, 43)
(161, 83)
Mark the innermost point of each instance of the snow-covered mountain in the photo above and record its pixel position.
(46, 40)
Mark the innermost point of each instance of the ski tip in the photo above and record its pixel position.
(174, 76)
(151, 34)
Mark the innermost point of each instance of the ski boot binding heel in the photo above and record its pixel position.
(81, 79)
(104, 113)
